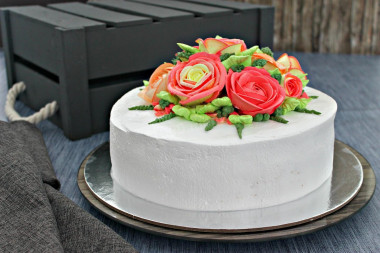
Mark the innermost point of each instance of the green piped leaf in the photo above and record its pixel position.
(199, 118)
(202, 109)
(259, 63)
(223, 101)
(224, 57)
(163, 103)
(182, 111)
(164, 95)
(289, 105)
(249, 51)
(237, 60)
(163, 118)
(210, 125)
(237, 68)
(141, 108)
(188, 48)
(145, 82)
(304, 110)
(240, 119)
(304, 102)
(239, 128)
(279, 119)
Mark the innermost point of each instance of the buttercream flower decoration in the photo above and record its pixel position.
(293, 85)
(221, 45)
(253, 91)
(158, 82)
(198, 80)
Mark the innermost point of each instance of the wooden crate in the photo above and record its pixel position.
(86, 56)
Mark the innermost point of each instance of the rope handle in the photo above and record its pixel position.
(44, 113)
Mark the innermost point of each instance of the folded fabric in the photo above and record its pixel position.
(34, 215)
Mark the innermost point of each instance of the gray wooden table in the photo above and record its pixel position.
(352, 80)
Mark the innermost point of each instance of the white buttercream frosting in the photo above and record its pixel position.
(178, 164)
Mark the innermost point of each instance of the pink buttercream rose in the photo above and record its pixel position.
(198, 80)
(254, 91)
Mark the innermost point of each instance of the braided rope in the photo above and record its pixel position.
(44, 113)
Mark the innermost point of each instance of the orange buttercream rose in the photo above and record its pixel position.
(158, 82)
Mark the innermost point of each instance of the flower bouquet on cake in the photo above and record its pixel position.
(221, 81)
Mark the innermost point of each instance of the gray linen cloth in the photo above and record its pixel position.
(34, 215)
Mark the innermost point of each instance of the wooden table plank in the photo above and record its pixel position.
(197, 9)
(56, 18)
(112, 18)
(157, 13)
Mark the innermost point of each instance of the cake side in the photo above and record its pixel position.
(272, 164)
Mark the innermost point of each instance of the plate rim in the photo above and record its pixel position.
(236, 235)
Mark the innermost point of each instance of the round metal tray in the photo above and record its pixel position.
(302, 216)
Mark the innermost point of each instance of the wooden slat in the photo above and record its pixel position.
(157, 13)
(56, 18)
(197, 9)
(237, 6)
(112, 18)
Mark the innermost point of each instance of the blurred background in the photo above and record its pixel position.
(325, 26)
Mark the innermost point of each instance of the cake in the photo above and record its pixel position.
(226, 128)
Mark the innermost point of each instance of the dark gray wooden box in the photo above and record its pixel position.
(86, 56)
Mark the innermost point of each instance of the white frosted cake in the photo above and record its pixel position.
(223, 128)
(178, 164)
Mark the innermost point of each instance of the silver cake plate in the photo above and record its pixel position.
(336, 192)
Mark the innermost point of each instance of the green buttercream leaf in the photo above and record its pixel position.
(225, 56)
(219, 113)
(181, 111)
(223, 101)
(289, 104)
(188, 48)
(163, 118)
(237, 68)
(249, 51)
(218, 37)
(141, 107)
(313, 97)
(202, 47)
(199, 118)
(304, 110)
(145, 82)
(163, 103)
(304, 102)
(202, 109)
(239, 128)
(259, 63)
(227, 110)
(278, 112)
(267, 50)
(279, 119)
(211, 124)
(240, 119)
(276, 74)
(237, 60)
(164, 95)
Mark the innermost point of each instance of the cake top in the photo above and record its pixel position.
(184, 131)
(221, 81)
